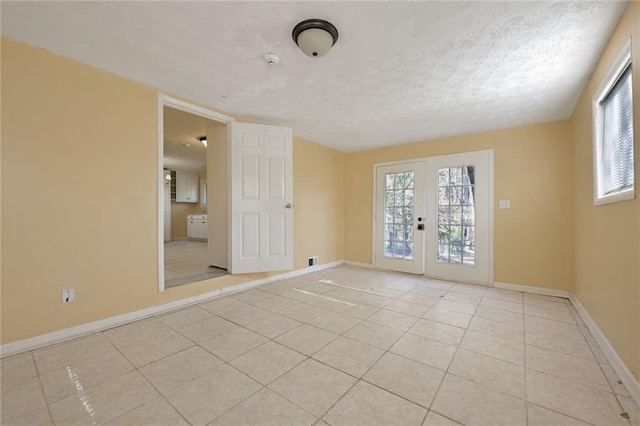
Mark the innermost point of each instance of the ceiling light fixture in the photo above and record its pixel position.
(315, 37)
(203, 139)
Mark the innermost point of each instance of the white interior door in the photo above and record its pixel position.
(459, 217)
(400, 217)
(261, 198)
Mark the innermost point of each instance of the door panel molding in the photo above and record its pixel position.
(264, 190)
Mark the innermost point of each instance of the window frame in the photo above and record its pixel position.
(615, 72)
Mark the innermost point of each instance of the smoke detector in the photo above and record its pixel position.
(271, 59)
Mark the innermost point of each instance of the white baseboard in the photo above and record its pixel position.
(358, 264)
(308, 270)
(104, 324)
(532, 289)
(626, 376)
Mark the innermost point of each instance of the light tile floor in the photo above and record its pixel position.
(344, 346)
(186, 261)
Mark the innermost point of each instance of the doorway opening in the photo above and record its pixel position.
(193, 224)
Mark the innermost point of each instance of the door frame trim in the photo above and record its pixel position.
(166, 100)
(425, 160)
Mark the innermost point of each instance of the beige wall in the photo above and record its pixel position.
(218, 189)
(79, 196)
(532, 240)
(606, 250)
(318, 190)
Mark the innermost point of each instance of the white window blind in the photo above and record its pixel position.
(617, 138)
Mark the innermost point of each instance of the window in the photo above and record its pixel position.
(456, 215)
(398, 218)
(613, 134)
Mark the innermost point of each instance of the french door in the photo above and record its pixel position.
(433, 217)
(400, 223)
(459, 220)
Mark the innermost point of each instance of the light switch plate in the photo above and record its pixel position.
(505, 204)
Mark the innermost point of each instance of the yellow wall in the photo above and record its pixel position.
(532, 240)
(606, 251)
(79, 196)
(318, 190)
(218, 201)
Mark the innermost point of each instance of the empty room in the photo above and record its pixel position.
(319, 213)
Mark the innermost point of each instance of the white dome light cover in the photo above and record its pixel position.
(315, 37)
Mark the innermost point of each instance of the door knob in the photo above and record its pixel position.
(288, 205)
(421, 227)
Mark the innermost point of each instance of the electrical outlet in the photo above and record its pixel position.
(68, 295)
(313, 260)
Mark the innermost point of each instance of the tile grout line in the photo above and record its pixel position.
(44, 396)
(357, 379)
(435, 394)
(560, 377)
(134, 369)
(195, 344)
(137, 370)
(310, 357)
(361, 378)
(539, 347)
(38, 374)
(224, 362)
(560, 413)
(546, 349)
(248, 396)
(582, 332)
(117, 349)
(525, 400)
(385, 352)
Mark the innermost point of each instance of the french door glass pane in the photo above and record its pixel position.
(456, 215)
(398, 220)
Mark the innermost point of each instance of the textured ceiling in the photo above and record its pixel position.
(400, 72)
